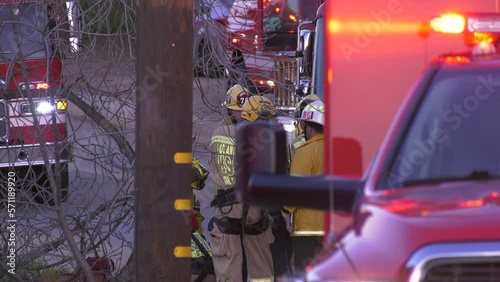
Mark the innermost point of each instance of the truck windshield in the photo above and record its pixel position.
(281, 21)
(318, 78)
(456, 131)
(23, 25)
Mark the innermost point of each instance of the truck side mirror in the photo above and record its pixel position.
(261, 147)
(262, 180)
(302, 49)
(308, 54)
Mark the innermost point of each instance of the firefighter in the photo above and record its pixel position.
(258, 108)
(198, 178)
(235, 98)
(202, 267)
(237, 231)
(299, 140)
(281, 248)
(262, 109)
(306, 226)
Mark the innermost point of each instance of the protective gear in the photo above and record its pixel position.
(198, 178)
(236, 230)
(199, 175)
(298, 112)
(296, 143)
(307, 224)
(258, 107)
(303, 103)
(236, 96)
(314, 112)
(201, 258)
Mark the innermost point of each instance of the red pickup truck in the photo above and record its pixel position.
(427, 207)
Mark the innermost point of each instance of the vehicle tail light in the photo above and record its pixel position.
(34, 85)
(41, 86)
(456, 59)
(448, 23)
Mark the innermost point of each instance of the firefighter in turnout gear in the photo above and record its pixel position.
(202, 268)
(299, 140)
(237, 231)
(236, 96)
(259, 109)
(306, 226)
(198, 178)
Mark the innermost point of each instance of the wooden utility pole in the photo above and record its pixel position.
(163, 139)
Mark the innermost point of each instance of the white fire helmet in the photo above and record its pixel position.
(314, 112)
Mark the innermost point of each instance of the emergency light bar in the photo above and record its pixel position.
(476, 27)
(448, 23)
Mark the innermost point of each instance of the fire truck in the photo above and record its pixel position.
(33, 105)
(262, 43)
(424, 204)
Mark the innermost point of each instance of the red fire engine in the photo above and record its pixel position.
(33, 106)
(262, 45)
(424, 210)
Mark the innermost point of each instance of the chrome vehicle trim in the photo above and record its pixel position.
(423, 259)
(5, 119)
(34, 163)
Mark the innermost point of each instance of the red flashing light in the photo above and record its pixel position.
(400, 205)
(42, 86)
(474, 38)
(456, 59)
(472, 204)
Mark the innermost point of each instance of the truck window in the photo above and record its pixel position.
(30, 23)
(456, 130)
(281, 21)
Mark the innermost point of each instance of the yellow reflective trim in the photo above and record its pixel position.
(307, 233)
(269, 279)
(298, 143)
(183, 158)
(182, 204)
(182, 252)
(222, 139)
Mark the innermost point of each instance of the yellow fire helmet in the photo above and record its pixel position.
(199, 175)
(258, 107)
(303, 103)
(236, 96)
